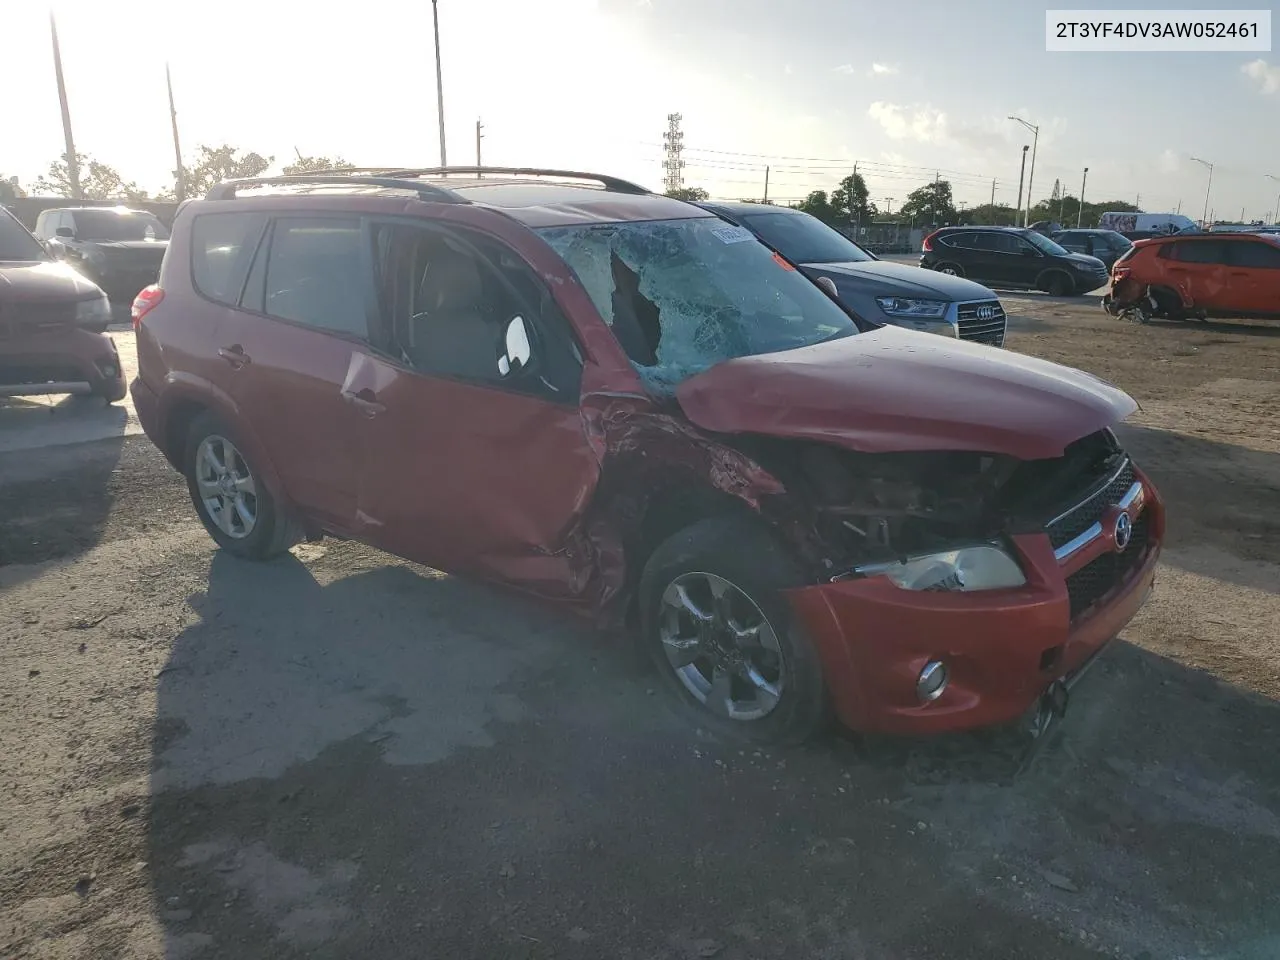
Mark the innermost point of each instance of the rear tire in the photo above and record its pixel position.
(949, 268)
(230, 497)
(719, 631)
(1167, 303)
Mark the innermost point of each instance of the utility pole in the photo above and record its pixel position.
(179, 175)
(435, 21)
(1207, 189)
(479, 127)
(888, 206)
(855, 216)
(673, 164)
(1021, 173)
(766, 184)
(1080, 209)
(1276, 215)
(73, 161)
(993, 198)
(1035, 143)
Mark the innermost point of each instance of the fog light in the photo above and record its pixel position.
(932, 681)
(108, 370)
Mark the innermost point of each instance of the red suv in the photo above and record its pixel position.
(1205, 274)
(613, 399)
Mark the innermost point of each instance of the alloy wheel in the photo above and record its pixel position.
(721, 646)
(227, 487)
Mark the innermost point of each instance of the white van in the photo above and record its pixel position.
(1149, 224)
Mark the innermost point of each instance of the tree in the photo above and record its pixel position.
(692, 194)
(1000, 215)
(849, 201)
(216, 164)
(931, 203)
(818, 205)
(98, 181)
(314, 164)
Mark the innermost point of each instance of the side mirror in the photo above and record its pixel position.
(518, 350)
(828, 286)
(65, 232)
(54, 248)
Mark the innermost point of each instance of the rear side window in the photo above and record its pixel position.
(319, 274)
(1200, 251)
(1261, 254)
(965, 241)
(222, 247)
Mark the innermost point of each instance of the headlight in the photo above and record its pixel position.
(1089, 267)
(915, 309)
(984, 567)
(97, 310)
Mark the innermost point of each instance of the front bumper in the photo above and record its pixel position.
(1003, 648)
(68, 360)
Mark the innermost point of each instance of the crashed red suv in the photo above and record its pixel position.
(51, 324)
(600, 396)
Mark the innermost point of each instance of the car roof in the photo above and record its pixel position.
(535, 197)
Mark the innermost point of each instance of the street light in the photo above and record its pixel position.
(1276, 214)
(1080, 208)
(435, 22)
(1204, 220)
(1035, 142)
(1022, 172)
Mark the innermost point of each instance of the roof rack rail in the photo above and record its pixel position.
(226, 190)
(609, 183)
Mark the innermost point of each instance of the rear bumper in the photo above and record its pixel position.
(70, 360)
(1002, 649)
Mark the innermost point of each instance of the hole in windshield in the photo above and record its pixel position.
(684, 295)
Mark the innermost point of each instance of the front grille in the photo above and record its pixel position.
(987, 329)
(19, 318)
(1099, 577)
(1081, 517)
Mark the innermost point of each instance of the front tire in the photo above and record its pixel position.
(1060, 285)
(230, 498)
(721, 634)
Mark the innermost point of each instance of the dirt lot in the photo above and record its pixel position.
(342, 755)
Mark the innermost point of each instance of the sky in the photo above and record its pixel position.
(906, 89)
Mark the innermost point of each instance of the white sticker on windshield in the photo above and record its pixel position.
(732, 234)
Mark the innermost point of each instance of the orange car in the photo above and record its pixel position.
(1200, 275)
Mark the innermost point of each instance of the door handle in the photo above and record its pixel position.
(366, 401)
(234, 355)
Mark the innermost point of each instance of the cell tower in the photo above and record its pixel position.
(673, 164)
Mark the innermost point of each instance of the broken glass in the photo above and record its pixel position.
(684, 295)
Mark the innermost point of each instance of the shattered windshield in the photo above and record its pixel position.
(684, 295)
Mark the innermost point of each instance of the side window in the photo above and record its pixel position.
(317, 274)
(222, 245)
(1200, 251)
(1255, 254)
(963, 241)
(998, 242)
(450, 298)
(1076, 242)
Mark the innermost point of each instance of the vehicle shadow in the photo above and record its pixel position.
(35, 422)
(1243, 327)
(345, 762)
(56, 505)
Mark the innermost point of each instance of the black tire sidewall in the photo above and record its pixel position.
(959, 270)
(749, 556)
(262, 543)
(1060, 285)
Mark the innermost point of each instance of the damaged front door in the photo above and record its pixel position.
(474, 459)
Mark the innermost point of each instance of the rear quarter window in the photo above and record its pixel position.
(222, 247)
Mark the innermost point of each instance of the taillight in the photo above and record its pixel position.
(927, 246)
(145, 302)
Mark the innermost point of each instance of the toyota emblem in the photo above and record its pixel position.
(1124, 532)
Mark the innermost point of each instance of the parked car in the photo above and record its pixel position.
(876, 290)
(1012, 257)
(1200, 275)
(612, 399)
(51, 320)
(117, 248)
(1107, 245)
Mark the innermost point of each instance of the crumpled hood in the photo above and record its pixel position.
(886, 279)
(43, 281)
(896, 390)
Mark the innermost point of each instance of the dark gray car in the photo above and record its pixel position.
(118, 249)
(876, 290)
(1107, 245)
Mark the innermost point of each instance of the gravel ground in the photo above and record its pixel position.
(342, 755)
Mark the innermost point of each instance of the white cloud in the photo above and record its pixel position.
(883, 69)
(787, 70)
(1169, 161)
(921, 123)
(846, 68)
(1266, 76)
